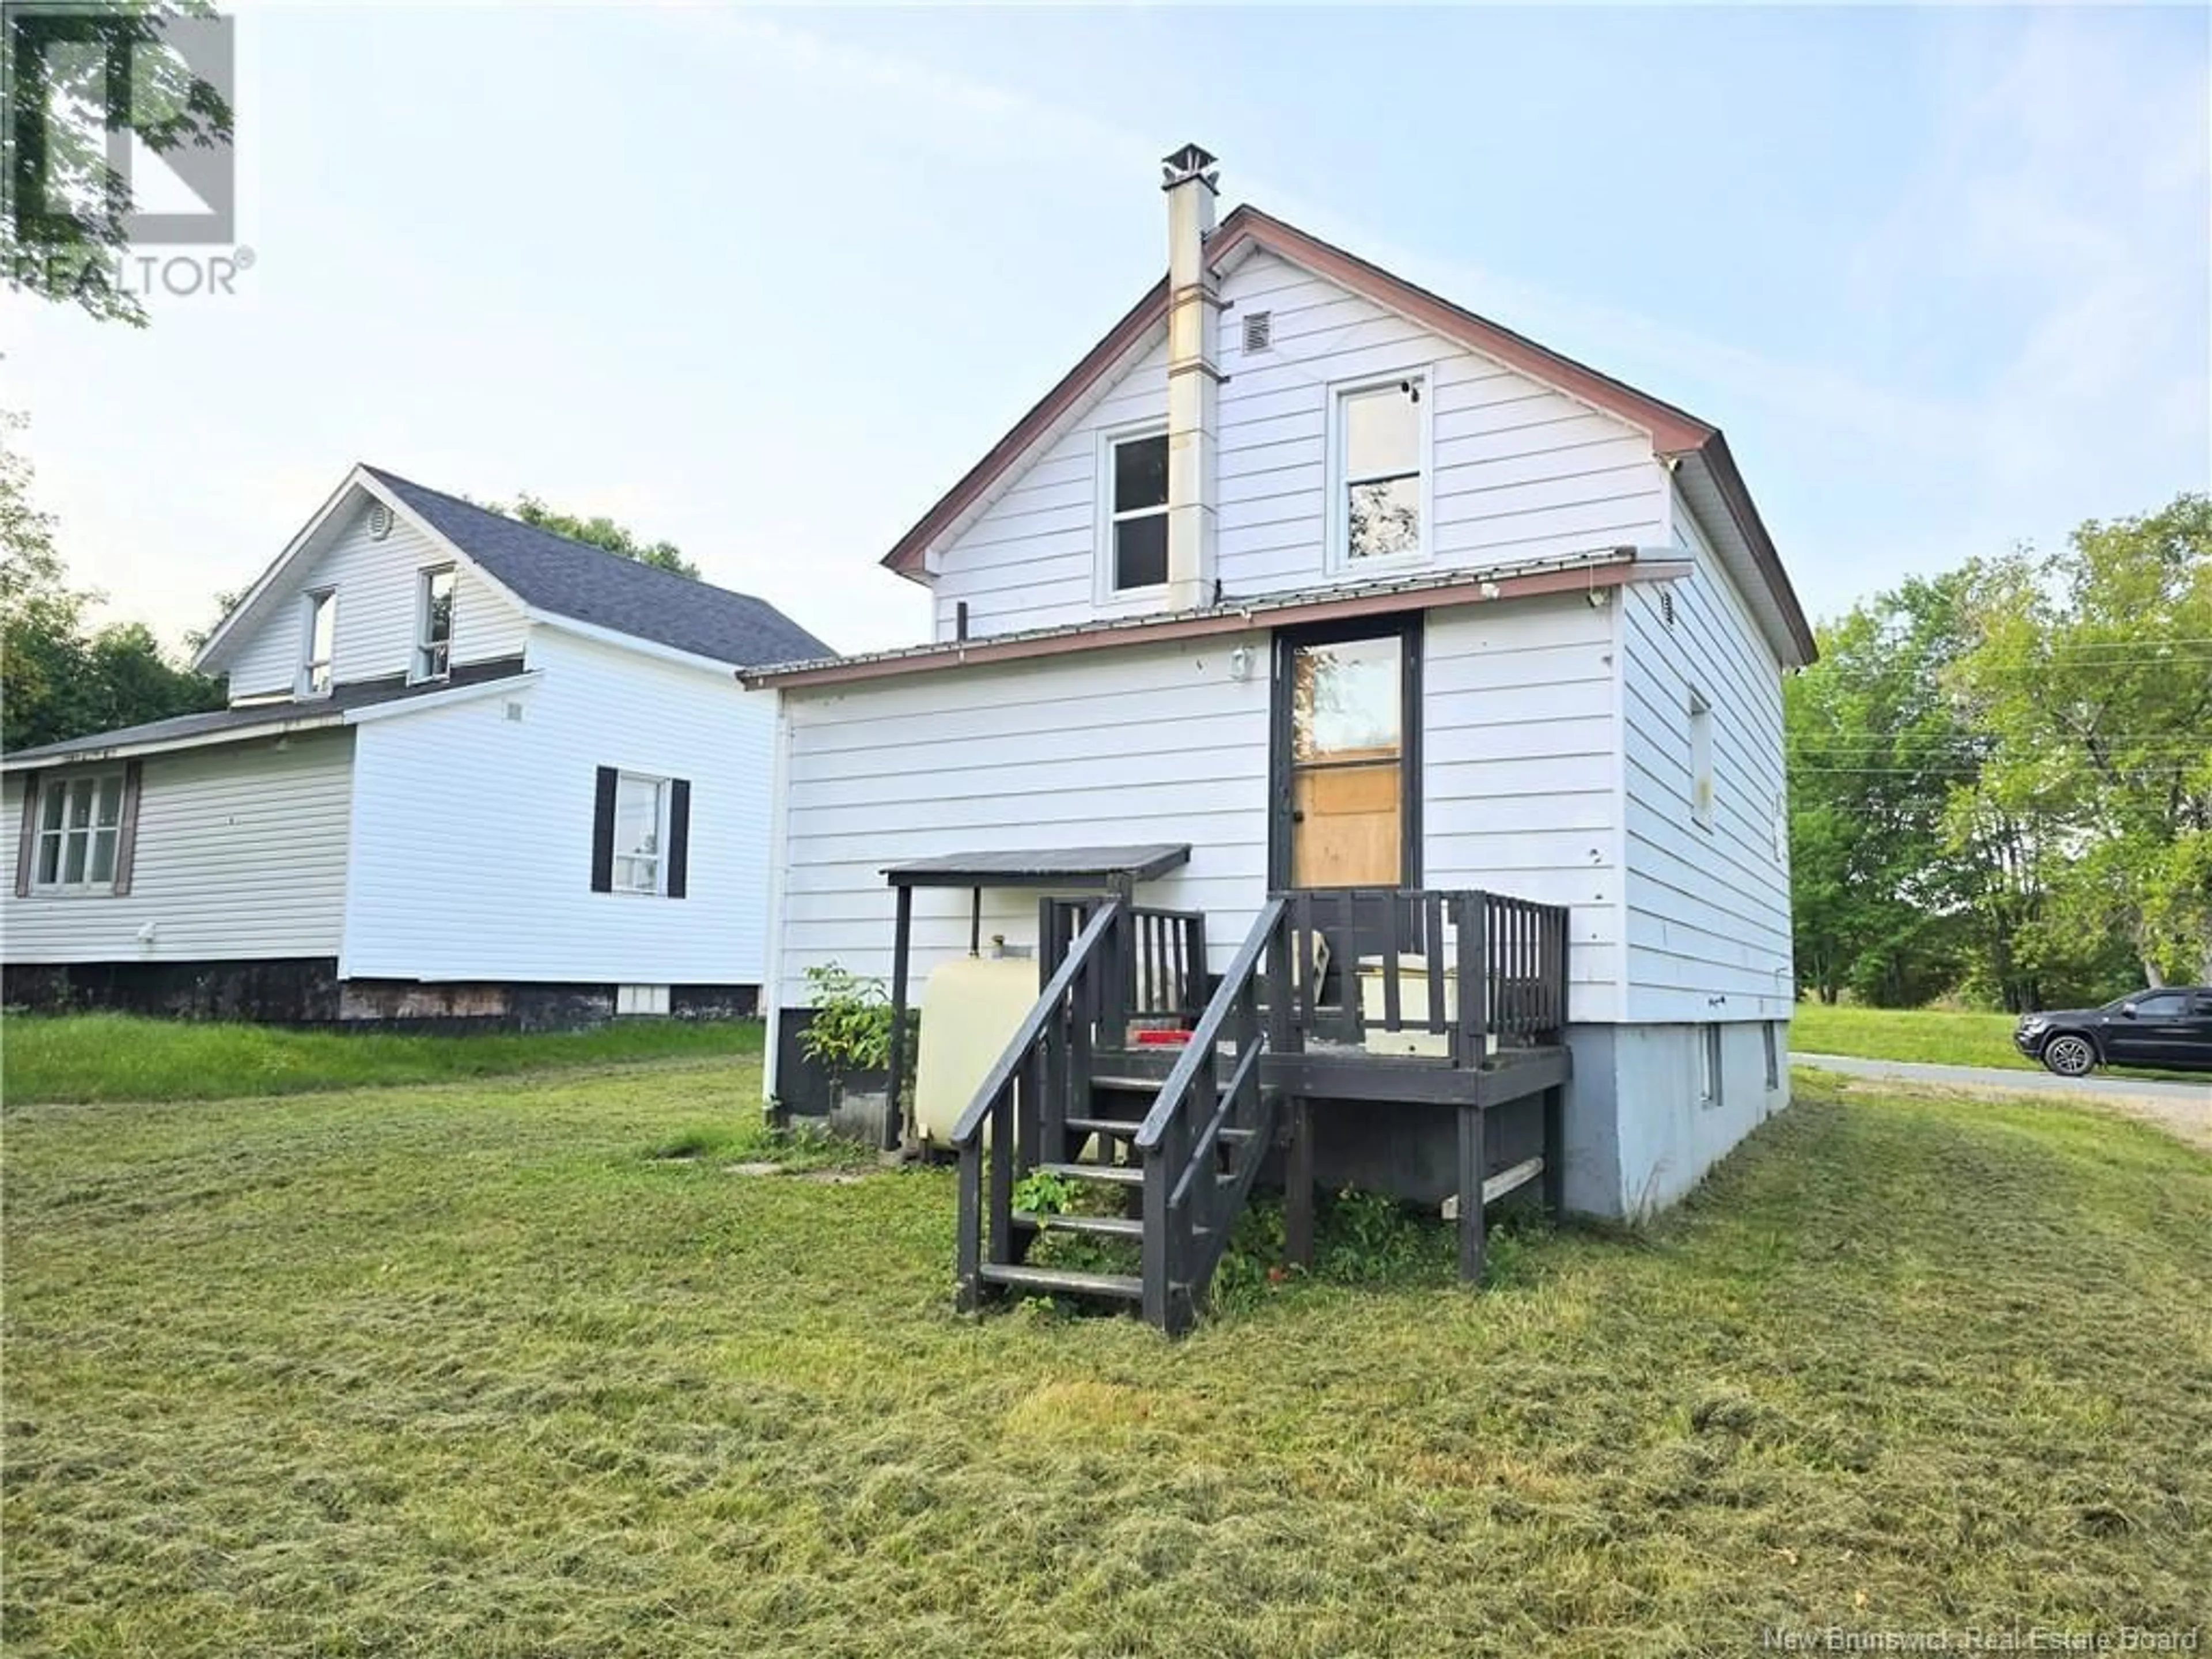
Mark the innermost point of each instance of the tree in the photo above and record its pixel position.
(1876, 749)
(602, 532)
(2093, 677)
(71, 212)
(57, 679)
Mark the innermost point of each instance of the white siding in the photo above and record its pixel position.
(241, 854)
(1149, 744)
(1708, 908)
(473, 830)
(1521, 472)
(1160, 743)
(1519, 775)
(376, 584)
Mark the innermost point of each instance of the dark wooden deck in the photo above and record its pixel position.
(1313, 1015)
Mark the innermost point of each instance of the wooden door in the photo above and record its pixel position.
(1344, 761)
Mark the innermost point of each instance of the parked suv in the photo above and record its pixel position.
(2169, 1028)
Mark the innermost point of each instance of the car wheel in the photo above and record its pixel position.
(2069, 1055)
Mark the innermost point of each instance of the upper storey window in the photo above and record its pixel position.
(1136, 541)
(1380, 456)
(434, 625)
(318, 631)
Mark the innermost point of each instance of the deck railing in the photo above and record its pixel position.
(1018, 1117)
(1476, 971)
(1153, 965)
(1211, 1126)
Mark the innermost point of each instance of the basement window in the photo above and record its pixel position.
(1708, 1066)
(1135, 486)
(1380, 455)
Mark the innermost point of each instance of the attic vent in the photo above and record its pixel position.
(379, 521)
(1666, 607)
(1258, 330)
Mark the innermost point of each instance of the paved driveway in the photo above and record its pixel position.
(2184, 1108)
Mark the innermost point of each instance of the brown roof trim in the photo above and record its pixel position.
(1745, 512)
(1674, 432)
(1475, 587)
(906, 556)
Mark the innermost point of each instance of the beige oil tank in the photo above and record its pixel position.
(970, 1009)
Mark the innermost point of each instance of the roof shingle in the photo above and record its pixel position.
(588, 584)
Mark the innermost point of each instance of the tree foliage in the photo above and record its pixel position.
(59, 677)
(2000, 779)
(65, 251)
(601, 531)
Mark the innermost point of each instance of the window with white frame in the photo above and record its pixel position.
(1708, 1066)
(434, 625)
(1135, 471)
(1701, 761)
(1380, 459)
(641, 833)
(318, 628)
(1773, 1054)
(80, 826)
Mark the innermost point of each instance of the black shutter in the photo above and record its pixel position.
(126, 837)
(679, 834)
(27, 839)
(603, 833)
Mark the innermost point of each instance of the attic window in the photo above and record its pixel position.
(318, 633)
(1136, 480)
(434, 625)
(1258, 330)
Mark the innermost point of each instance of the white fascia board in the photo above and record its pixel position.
(211, 651)
(209, 656)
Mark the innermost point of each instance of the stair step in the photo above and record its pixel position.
(1127, 1286)
(1125, 1127)
(1145, 1085)
(1121, 1175)
(1093, 1226)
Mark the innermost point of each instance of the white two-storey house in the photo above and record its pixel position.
(1319, 581)
(470, 769)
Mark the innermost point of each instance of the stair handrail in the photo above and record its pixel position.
(1046, 1008)
(1198, 1050)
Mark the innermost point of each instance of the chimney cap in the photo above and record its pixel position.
(1188, 163)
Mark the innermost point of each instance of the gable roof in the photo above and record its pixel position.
(1676, 435)
(549, 576)
(587, 584)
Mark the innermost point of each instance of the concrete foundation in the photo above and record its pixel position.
(1641, 1128)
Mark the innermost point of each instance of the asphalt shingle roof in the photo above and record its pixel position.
(292, 711)
(590, 585)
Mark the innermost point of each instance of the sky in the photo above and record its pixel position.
(765, 283)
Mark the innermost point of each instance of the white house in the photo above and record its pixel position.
(1340, 585)
(470, 768)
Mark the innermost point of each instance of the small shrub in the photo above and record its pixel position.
(851, 1031)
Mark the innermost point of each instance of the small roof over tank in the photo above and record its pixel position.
(1063, 866)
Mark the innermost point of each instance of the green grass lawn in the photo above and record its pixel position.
(1936, 1037)
(84, 1057)
(526, 1368)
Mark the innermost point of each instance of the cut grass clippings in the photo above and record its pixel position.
(86, 1057)
(509, 1368)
